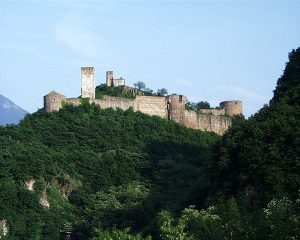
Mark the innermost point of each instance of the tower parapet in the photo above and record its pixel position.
(87, 82)
(53, 101)
(176, 107)
(232, 107)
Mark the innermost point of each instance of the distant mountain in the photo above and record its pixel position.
(10, 113)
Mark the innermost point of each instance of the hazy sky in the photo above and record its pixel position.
(205, 50)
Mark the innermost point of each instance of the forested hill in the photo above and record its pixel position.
(261, 156)
(99, 168)
(112, 174)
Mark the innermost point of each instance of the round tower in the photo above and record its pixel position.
(176, 107)
(232, 108)
(53, 101)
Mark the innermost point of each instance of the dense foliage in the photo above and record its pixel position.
(115, 168)
(115, 91)
(260, 157)
(197, 106)
(128, 92)
(112, 174)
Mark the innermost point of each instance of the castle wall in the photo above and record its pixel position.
(74, 101)
(216, 112)
(114, 102)
(151, 105)
(207, 122)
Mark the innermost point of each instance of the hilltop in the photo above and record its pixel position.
(173, 107)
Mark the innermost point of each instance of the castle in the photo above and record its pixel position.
(172, 107)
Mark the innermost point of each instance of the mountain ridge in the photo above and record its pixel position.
(10, 113)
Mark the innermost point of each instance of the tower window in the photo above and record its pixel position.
(180, 98)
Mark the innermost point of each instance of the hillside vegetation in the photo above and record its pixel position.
(112, 174)
(116, 168)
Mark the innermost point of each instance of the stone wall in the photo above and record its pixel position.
(74, 101)
(171, 107)
(114, 102)
(216, 112)
(151, 105)
(207, 122)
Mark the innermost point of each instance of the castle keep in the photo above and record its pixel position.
(171, 107)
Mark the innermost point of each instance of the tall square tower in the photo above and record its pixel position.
(109, 78)
(87, 82)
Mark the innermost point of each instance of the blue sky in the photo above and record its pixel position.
(206, 50)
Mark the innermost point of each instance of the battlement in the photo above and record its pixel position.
(170, 107)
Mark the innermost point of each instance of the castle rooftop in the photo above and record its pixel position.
(54, 93)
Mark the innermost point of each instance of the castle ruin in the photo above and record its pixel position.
(111, 81)
(172, 107)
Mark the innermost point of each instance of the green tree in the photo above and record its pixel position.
(202, 105)
(162, 92)
(116, 234)
(282, 220)
(139, 85)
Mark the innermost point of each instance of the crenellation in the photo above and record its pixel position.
(172, 107)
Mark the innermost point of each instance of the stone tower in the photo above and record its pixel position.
(88, 82)
(109, 78)
(232, 108)
(53, 101)
(176, 108)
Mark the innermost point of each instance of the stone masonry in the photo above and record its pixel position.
(170, 107)
(111, 81)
